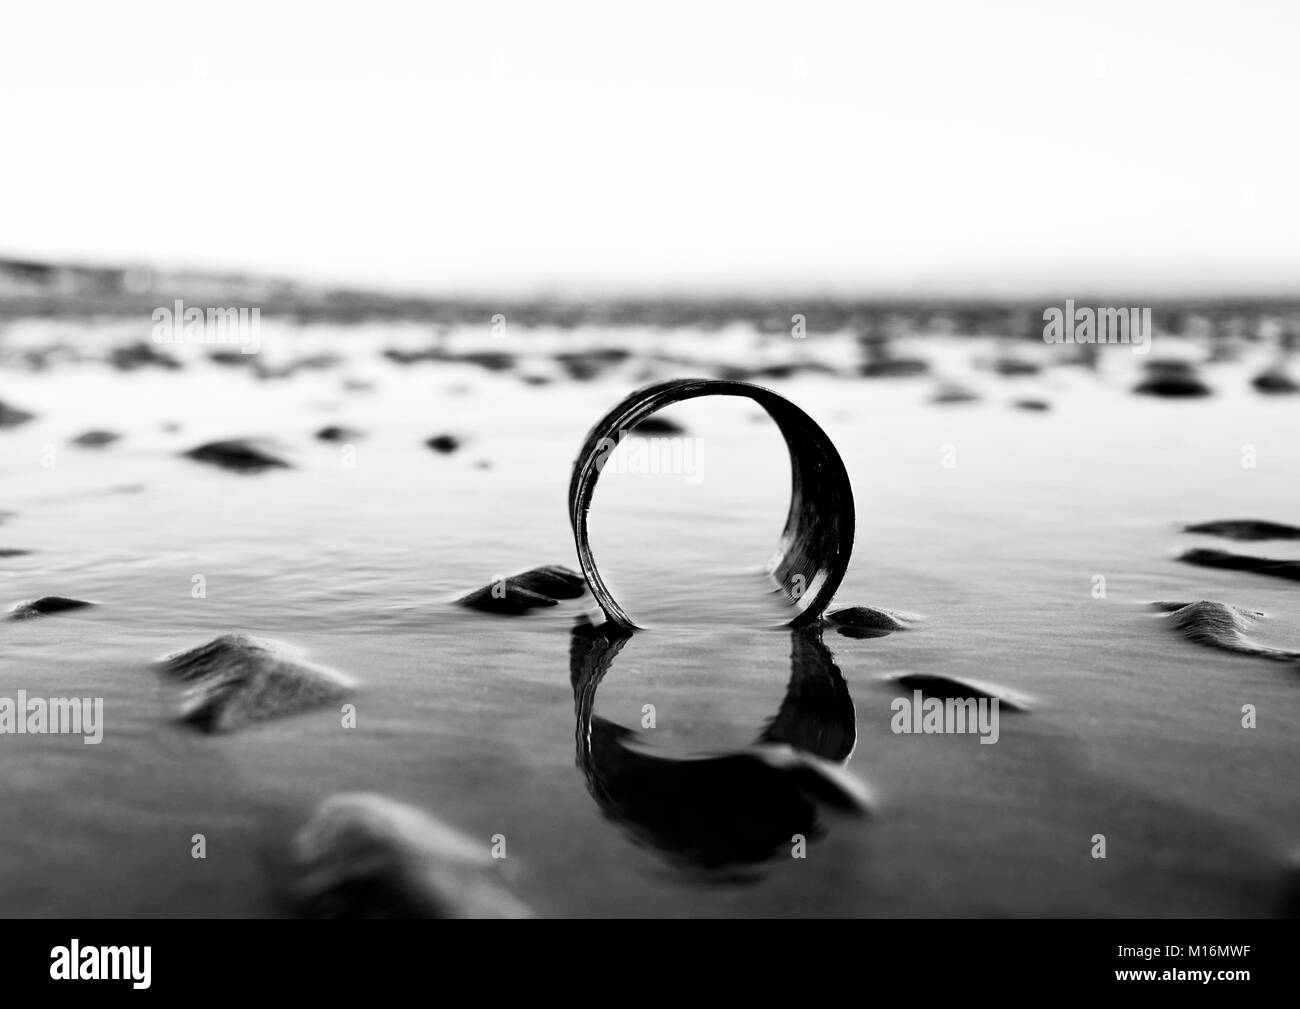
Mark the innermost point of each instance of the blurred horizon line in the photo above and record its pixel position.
(24, 274)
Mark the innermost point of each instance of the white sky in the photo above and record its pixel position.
(945, 146)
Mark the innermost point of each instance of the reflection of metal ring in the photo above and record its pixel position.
(817, 541)
(728, 809)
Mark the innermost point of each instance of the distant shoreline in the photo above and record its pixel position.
(37, 288)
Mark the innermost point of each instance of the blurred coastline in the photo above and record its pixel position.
(34, 287)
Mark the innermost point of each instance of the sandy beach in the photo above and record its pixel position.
(995, 484)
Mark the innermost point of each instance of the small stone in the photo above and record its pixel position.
(1011, 367)
(1206, 558)
(1275, 381)
(516, 595)
(894, 367)
(952, 393)
(586, 365)
(552, 580)
(141, 355)
(504, 600)
(236, 679)
(869, 621)
(1246, 529)
(1219, 625)
(368, 856)
(231, 358)
(950, 688)
(95, 439)
(46, 606)
(11, 416)
(338, 433)
(443, 443)
(238, 455)
(1172, 380)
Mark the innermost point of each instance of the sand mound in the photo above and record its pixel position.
(367, 856)
(1219, 625)
(237, 679)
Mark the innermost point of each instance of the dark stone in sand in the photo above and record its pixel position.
(1173, 380)
(1206, 558)
(800, 368)
(45, 606)
(444, 443)
(231, 358)
(236, 679)
(1172, 387)
(950, 688)
(504, 600)
(866, 618)
(552, 580)
(12, 552)
(1274, 381)
(954, 394)
(587, 364)
(659, 425)
(315, 362)
(368, 856)
(895, 367)
(491, 360)
(520, 593)
(336, 432)
(141, 355)
(769, 371)
(11, 416)
(1013, 366)
(400, 356)
(95, 439)
(1037, 405)
(1246, 529)
(1219, 625)
(237, 454)
(869, 621)
(487, 359)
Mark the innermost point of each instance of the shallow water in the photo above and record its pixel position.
(991, 522)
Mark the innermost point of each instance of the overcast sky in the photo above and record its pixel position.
(578, 148)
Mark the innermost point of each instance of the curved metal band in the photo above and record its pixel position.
(817, 541)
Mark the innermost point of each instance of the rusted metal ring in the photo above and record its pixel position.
(815, 546)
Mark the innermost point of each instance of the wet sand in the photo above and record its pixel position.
(989, 522)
